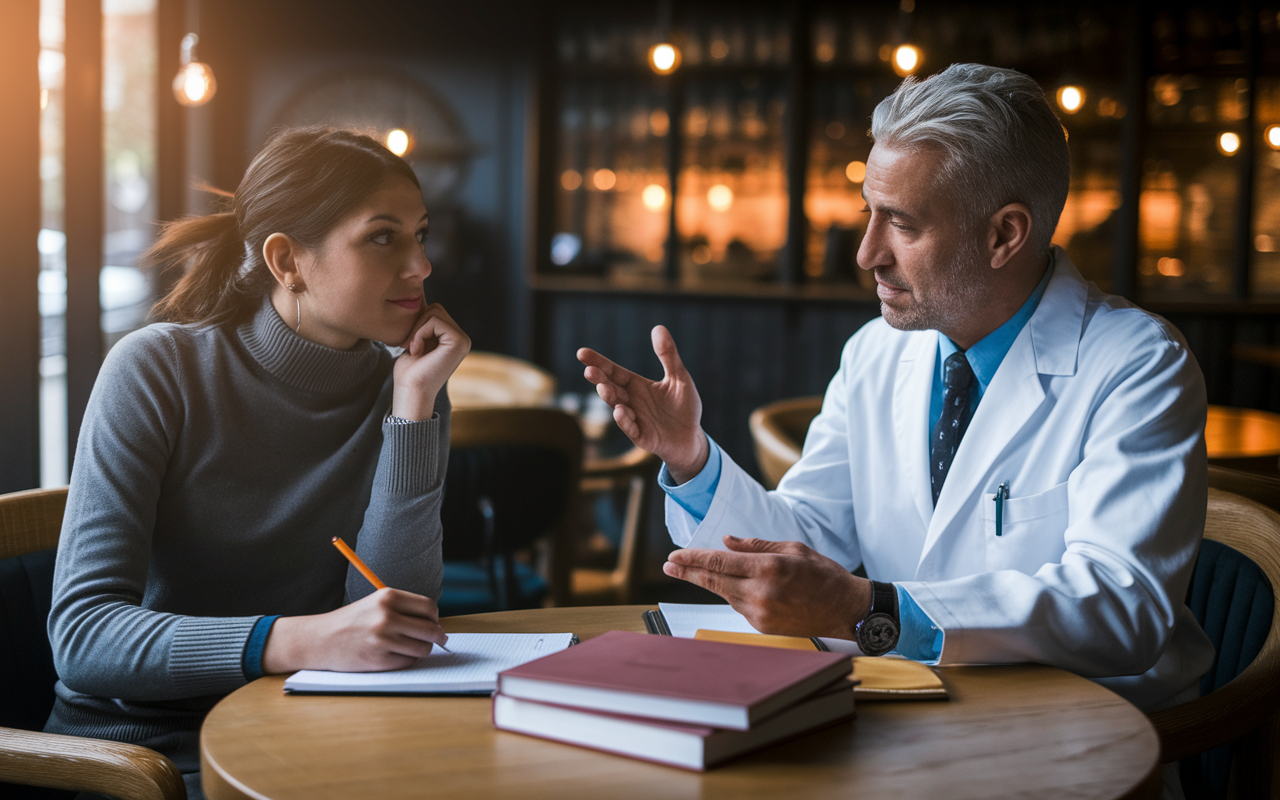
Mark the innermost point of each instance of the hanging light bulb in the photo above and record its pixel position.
(664, 57)
(1071, 98)
(1272, 135)
(906, 59)
(398, 141)
(194, 85)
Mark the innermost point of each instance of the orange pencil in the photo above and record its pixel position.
(359, 564)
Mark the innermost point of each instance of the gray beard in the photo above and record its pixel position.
(955, 296)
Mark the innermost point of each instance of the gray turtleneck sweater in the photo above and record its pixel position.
(212, 469)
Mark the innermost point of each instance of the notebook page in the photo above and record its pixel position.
(684, 620)
(473, 666)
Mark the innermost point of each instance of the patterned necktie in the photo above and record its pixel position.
(956, 376)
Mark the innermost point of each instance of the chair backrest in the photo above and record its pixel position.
(31, 520)
(535, 455)
(1264, 489)
(488, 380)
(1231, 594)
(778, 430)
(29, 526)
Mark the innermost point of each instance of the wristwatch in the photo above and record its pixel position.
(878, 632)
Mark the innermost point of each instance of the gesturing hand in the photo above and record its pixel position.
(663, 417)
(432, 352)
(388, 629)
(780, 587)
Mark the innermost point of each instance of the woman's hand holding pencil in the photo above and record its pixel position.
(389, 629)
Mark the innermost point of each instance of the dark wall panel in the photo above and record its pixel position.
(741, 353)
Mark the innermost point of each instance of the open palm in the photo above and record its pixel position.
(663, 417)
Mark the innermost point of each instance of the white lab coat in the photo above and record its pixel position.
(1095, 419)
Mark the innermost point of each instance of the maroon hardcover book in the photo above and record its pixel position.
(683, 680)
(694, 747)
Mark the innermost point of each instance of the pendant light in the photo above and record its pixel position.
(194, 85)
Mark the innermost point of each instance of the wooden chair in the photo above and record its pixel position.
(29, 526)
(489, 380)
(1263, 489)
(1243, 706)
(508, 439)
(636, 471)
(778, 430)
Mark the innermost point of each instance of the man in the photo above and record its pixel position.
(1016, 458)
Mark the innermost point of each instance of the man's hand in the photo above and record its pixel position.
(780, 587)
(663, 417)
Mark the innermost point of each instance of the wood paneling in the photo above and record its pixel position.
(19, 258)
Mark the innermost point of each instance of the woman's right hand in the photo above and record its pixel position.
(386, 630)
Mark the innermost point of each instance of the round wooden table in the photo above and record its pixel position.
(1027, 731)
(1235, 433)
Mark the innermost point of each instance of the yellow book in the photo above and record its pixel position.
(883, 678)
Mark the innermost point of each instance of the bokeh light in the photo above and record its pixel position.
(604, 179)
(654, 197)
(906, 59)
(720, 198)
(1071, 99)
(398, 141)
(664, 58)
(194, 85)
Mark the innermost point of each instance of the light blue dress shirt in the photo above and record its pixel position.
(920, 639)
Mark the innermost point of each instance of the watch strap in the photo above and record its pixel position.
(884, 599)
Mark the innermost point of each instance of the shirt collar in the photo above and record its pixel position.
(987, 353)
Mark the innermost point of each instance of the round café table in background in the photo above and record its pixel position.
(1030, 731)
(1236, 433)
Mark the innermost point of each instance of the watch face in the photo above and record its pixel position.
(878, 634)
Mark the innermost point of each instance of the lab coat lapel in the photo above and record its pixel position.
(912, 390)
(1047, 345)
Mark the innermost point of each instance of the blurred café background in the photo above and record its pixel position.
(592, 170)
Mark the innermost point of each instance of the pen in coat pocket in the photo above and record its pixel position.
(1002, 494)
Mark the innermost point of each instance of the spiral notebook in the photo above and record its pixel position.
(470, 669)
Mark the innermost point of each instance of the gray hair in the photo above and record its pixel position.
(1001, 142)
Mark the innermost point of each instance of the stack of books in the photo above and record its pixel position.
(684, 702)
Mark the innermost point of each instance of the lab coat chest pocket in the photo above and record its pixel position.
(1031, 532)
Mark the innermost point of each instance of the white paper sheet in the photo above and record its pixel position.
(685, 619)
(471, 668)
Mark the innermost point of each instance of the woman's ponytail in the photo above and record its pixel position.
(303, 183)
(209, 250)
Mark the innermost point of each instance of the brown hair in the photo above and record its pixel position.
(302, 183)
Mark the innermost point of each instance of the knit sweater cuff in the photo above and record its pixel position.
(207, 654)
(410, 457)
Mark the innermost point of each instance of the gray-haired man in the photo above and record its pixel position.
(1016, 458)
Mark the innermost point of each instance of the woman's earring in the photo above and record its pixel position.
(298, 300)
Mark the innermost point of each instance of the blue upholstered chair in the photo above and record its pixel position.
(511, 488)
(45, 765)
(1225, 737)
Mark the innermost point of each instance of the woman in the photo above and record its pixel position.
(223, 448)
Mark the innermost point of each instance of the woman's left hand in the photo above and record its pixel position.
(431, 354)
